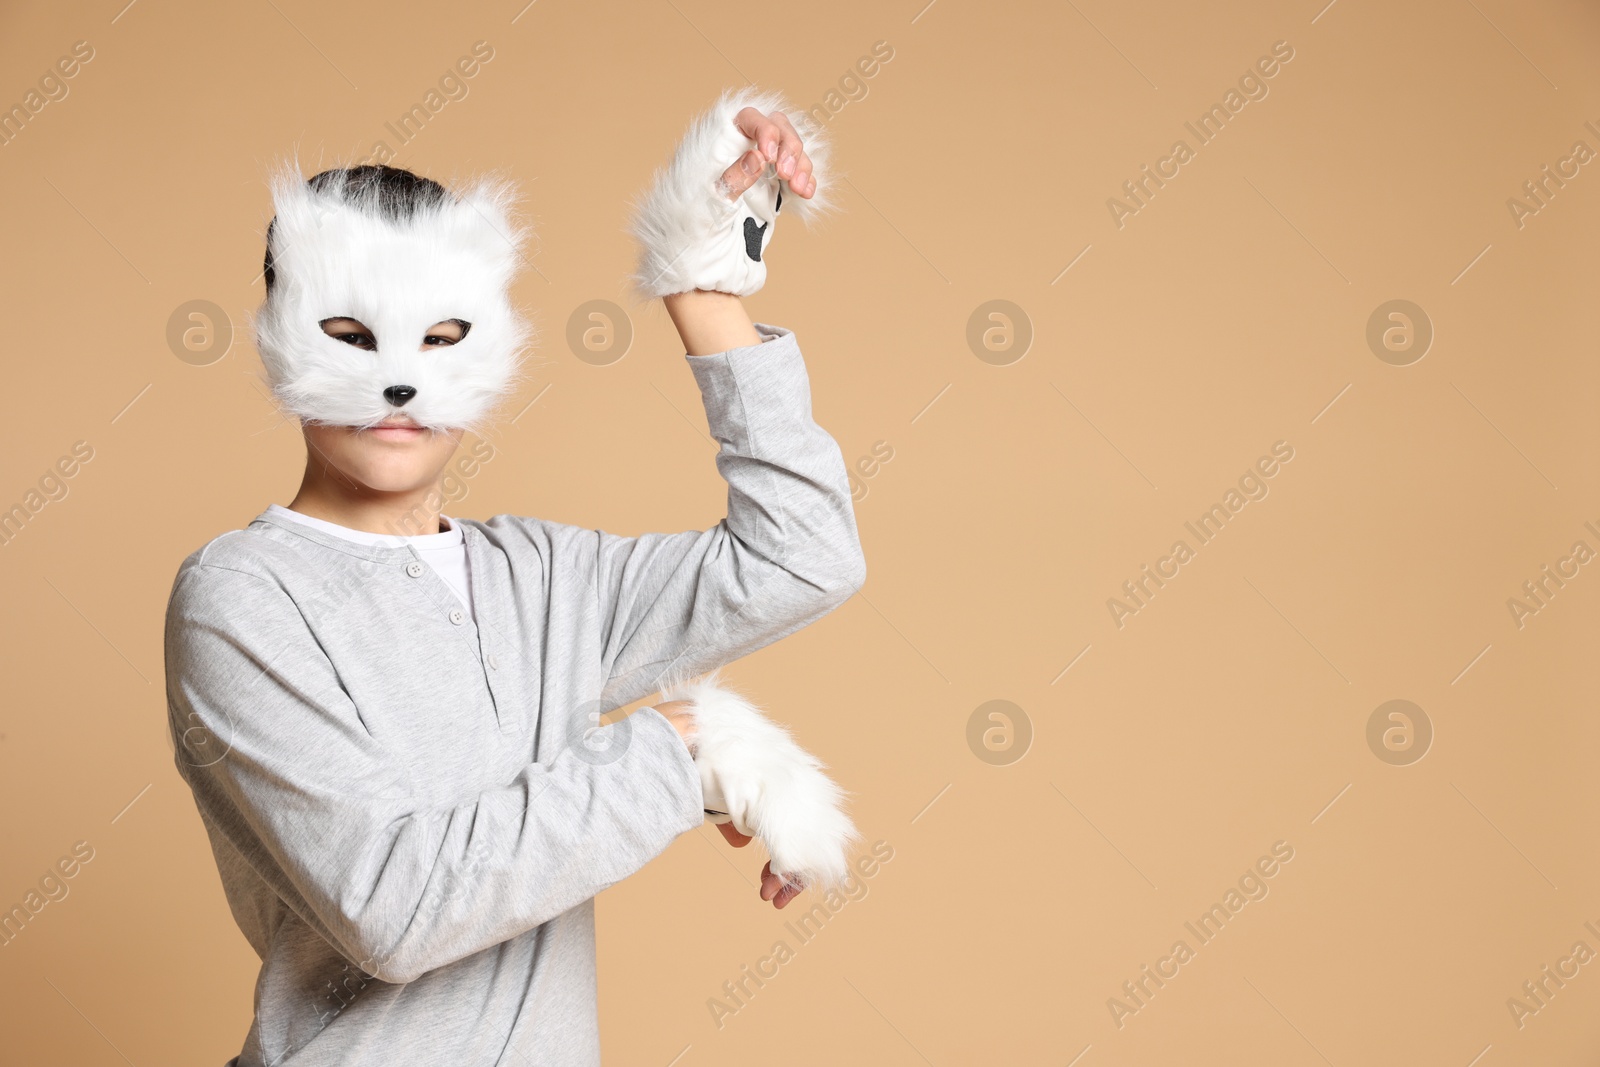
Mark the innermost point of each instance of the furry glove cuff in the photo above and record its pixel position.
(754, 775)
(690, 235)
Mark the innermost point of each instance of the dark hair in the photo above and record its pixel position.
(396, 193)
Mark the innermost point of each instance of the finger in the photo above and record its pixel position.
(802, 181)
(743, 174)
(775, 889)
(789, 145)
(735, 838)
(770, 883)
(787, 889)
(787, 894)
(760, 129)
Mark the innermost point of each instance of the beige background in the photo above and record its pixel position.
(1228, 314)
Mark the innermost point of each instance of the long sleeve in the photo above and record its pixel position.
(283, 765)
(786, 554)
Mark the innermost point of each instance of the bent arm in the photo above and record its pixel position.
(282, 765)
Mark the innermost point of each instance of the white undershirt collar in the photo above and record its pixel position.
(442, 540)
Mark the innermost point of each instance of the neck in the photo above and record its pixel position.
(324, 494)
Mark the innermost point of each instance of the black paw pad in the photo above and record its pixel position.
(752, 238)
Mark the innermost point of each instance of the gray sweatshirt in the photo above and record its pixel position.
(412, 811)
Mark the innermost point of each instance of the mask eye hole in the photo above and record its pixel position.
(351, 332)
(446, 333)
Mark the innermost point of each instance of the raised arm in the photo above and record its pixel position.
(788, 551)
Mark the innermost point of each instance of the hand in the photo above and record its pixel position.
(680, 713)
(772, 887)
(776, 142)
(707, 218)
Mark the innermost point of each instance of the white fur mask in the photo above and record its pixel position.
(337, 254)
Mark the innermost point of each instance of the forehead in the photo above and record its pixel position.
(333, 251)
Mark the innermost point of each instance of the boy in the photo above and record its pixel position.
(392, 740)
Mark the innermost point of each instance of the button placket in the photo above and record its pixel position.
(504, 676)
(438, 592)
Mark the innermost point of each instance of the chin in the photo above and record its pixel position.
(385, 466)
(392, 477)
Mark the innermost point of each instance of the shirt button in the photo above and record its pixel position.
(494, 662)
(414, 569)
(457, 616)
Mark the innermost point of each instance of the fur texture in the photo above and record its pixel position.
(770, 787)
(690, 235)
(335, 255)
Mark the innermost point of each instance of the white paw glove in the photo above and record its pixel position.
(754, 775)
(690, 235)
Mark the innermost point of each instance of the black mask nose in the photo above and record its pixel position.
(399, 394)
